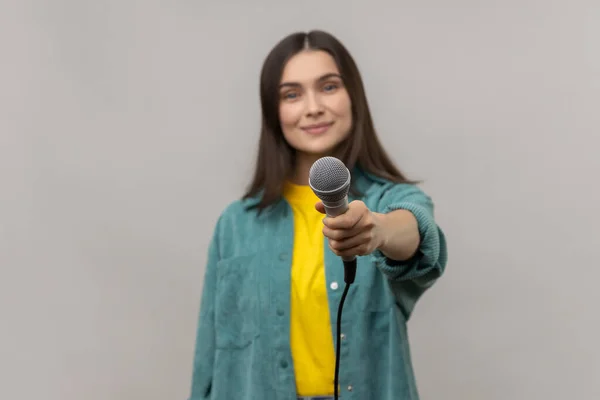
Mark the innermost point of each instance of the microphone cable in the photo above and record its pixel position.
(349, 275)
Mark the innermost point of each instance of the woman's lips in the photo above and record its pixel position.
(317, 129)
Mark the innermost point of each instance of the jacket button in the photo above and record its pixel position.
(350, 388)
(333, 286)
(283, 364)
(280, 312)
(283, 256)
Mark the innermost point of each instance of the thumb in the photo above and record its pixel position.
(320, 207)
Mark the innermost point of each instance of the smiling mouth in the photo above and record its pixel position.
(317, 128)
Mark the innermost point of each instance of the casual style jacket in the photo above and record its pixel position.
(242, 346)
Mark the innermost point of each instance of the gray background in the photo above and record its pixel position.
(127, 126)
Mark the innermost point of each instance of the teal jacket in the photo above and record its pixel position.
(242, 343)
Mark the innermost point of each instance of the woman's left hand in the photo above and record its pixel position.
(354, 233)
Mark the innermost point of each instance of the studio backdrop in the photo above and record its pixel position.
(127, 126)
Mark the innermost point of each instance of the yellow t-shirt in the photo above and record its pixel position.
(311, 340)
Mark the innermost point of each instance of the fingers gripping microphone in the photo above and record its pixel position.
(330, 181)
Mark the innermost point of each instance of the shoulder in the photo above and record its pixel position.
(236, 208)
(241, 229)
(237, 212)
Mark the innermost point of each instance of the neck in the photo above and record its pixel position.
(302, 167)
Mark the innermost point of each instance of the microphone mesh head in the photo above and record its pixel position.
(329, 179)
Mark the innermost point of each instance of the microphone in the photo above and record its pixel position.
(330, 181)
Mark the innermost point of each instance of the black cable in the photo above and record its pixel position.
(349, 275)
(337, 350)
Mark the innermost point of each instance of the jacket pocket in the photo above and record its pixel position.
(236, 308)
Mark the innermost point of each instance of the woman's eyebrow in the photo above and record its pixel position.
(321, 78)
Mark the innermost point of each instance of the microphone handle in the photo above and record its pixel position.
(333, 210)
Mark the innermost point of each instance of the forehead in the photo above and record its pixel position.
(308, 66)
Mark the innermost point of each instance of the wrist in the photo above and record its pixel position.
(397, 234)
(380, 237)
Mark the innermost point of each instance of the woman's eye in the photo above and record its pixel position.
(329, 87)
(290, 96)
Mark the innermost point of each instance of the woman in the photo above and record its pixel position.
(274, 276)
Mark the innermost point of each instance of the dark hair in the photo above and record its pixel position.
(276, 157)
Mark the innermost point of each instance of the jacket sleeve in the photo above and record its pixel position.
(409, 279)
(204, 354)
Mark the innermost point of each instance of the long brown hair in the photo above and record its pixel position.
(276, 158)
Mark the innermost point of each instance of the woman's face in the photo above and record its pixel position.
(314, 107)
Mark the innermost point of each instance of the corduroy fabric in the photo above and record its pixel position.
(242, 348)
